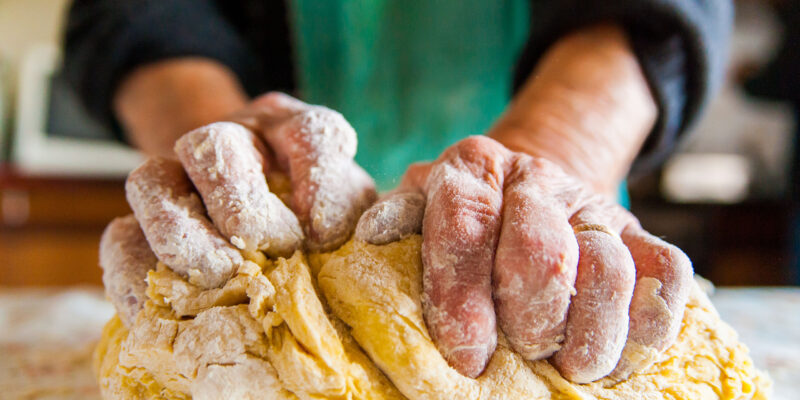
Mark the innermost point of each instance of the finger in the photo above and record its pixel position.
(460, 230)
(125, 258)
(337, 203)
(536, 265)
(173, 221)
(226, 167)
(663, 282)
(399, 214)
(394, 217)
(316, 146)
(267, 111)
(597, 321)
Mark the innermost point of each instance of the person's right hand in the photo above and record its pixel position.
(512, 242)
(518, 234)
(227, 164)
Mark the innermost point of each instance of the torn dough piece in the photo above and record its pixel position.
(268, 334)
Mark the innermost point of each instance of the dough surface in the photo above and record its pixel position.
(348, 325)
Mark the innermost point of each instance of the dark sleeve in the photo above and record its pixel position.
(106, 39)
(681, 46)
(779, 79)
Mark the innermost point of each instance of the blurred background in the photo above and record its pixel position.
(728, 197)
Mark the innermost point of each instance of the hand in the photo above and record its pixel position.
(157, 103)
(524, 239)
(512, 238)
(227, 163)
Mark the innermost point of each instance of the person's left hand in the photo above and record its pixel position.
(202, 215)
(511, 238)
(315, 147)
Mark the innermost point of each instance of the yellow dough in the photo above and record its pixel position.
(348, 325)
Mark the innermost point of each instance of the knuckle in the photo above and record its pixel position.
(477, 149)
(321, 117)
(221, 126)
(473, 142)
(138, 173)
(680, 268)
(323, 128)
(208, 137)
(618, 271)
(272, 99)
(678, 259)
(675, 263)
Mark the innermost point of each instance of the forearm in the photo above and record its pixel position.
(157, 103)
(586, 107)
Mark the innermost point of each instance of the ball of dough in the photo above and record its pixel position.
(348, 325)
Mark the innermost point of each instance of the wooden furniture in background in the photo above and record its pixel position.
(50, 227)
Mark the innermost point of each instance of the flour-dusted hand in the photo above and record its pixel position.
(315, 146)
(203, 214)
(518, 236)
(512, 238)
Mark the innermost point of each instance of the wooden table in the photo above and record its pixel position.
(47, 335)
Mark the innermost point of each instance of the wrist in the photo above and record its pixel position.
(158, 103)
(587, 107)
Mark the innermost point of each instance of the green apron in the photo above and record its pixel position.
(411, 76)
